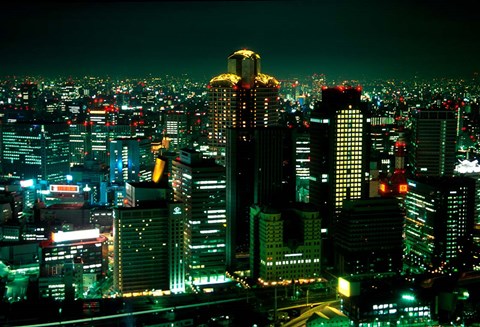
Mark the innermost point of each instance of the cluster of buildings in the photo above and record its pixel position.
(240, 179)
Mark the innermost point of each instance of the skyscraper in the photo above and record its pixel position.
(246, 137)
(241, 98)
(439, 224)
(141, 244)
(131, 160)
(149, 237)
(38, 151)
(200, 185)
(339, 152)
(432, 142)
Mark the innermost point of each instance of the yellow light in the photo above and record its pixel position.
(344, 287)
(158, 170)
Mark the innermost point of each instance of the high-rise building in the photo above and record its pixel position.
(38, 151)
(369, 237)
(301, 140)
(242, 98)
(29, 95)
(339, 154)
(149, 233)
(176, 128)
(439, 224)
(245, 137)
(79, 143)
(471, 169)
(432, 142)
(200, 185)
(131, 160)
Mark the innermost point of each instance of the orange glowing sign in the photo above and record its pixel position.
(65, 188)
(383, 187)
(403, 188)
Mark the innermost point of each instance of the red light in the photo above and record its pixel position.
(403, 188)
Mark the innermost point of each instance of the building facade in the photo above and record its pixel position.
(432, 142)
(38, 151)
(439, 224)
(285, 245)
(200, 184)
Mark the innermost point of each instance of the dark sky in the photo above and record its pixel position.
(341, 38)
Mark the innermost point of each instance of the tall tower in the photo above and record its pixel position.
(432, 143)
(339, 154)
(241, 98)
(246, 137)
(200, 185)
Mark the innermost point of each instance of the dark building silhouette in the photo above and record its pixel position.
(432, 142)
(369, 237)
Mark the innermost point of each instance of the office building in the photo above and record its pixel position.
(339, 155)
(131, 160)
(70, 259)
(368, 239)
(243, 109)
(149, 241)
(38, 151)
(200, 185)
(241, 98)
(432, 144)
(176, 129)
(439, 224)
(79, 143)
(301, 140)
(285, 244)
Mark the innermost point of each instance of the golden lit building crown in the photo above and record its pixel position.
(244, 67)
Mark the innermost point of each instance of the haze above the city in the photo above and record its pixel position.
(342, 39)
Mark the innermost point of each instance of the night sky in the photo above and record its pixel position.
(340, 38)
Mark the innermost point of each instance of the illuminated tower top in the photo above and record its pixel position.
(243, 70)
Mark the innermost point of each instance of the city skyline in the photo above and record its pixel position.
(346, 39)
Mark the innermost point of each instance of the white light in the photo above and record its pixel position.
(75, 235)
(26, 183)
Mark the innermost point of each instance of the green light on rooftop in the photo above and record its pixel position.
(408, 297)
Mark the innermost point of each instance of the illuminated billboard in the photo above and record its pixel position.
(76, 235)
(348, 288)
(64, 188)
(27, 183)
